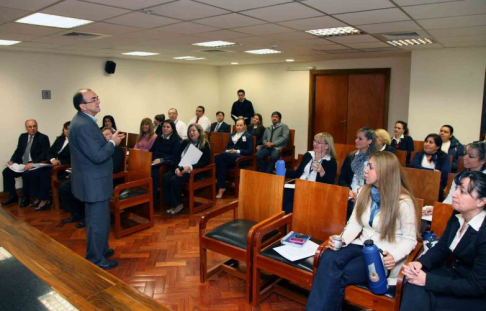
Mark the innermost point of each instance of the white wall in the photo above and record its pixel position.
(447, 87)
(138, 89)
(271, 87)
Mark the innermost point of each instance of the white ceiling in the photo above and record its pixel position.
(175, 25)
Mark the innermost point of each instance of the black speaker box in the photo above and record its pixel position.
(110, 67)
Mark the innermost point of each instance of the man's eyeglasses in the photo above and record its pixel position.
(93, 99)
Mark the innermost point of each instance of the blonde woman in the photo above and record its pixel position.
(147, 136)
(386, 213)
(383, 141)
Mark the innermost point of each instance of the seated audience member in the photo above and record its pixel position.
(58, 154)
(385, 212)
(201, 119)
(67, 200)
(352, 170)
(474, 160)
(157, 124)
(275, 138)
(401, 140)
(242, 108)
(180, 126)
(317, 165)
(147, 136)
(240, 144)
(174, 180)
(109, 122)
(32, 148)
(433, 158)
(451, 145)
(432, 283)
(220, 125)
(257, 129)
(164, 151)
(383, 141)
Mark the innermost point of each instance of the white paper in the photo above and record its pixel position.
(191, 157)
(289, 186)
(19, 168)
(295, 253)
(427, 217)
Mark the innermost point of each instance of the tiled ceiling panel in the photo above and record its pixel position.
(265, 29)
(83, 10)
(344, 6)
(447, 9)
(452, 32)
(28, 5)
(10, 15)
(107, 29)
(314, 23)
(187, 10)
(239, 5)
(130, 4)
(283, 12)
(222, 35)
(453, 22)
(390, 27)
(186, 28)
(142, 20)
(373, 17)
(353, 39)
(230, 21)
(28, 29)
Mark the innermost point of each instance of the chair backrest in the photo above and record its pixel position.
(420, 203)
(260, 195)
(418, 145)
(440, 217)
(425, 184)
(300, 156)
(291, 141)
(139, 164)
(460, 163)
(211, 159)
(342, 151)
(220, 140)
(450, 179)
(123, 143)
(319, 209)
(124, 159)
(131, 140)
(402, 157)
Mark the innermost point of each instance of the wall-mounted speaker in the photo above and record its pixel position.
(110, 67)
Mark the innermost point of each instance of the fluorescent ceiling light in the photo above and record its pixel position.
(333, 32)
(188, 58)
(417, 41)
(263, 51)
(140, 53)
(214, 44)
(8, 42)
(48, 20)
(234, 63)
(289, 60)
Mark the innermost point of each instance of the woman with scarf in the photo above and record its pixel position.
(352, 170)
(385, 212)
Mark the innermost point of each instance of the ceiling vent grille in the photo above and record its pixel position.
(215, 51)
(84, 35)
(400, 35)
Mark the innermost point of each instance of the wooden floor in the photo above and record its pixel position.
(162, 262)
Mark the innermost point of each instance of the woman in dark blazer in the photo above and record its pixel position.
(401, 140)
(257, 129)
(164, 150)
(433, 158)
(240, 144)
(434, 285)
(317, 165)
(451, 145)
(109, 122)
(58, 154)
(174, 180)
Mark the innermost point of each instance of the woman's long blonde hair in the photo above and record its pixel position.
(151, 130)
(393, 186)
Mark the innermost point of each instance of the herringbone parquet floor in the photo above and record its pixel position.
(162, 262)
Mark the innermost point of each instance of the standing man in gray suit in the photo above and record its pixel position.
(275, 138)
(92, 170)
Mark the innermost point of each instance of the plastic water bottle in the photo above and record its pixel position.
(280, 167)
(375, 269)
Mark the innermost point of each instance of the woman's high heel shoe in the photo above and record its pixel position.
(44, 207)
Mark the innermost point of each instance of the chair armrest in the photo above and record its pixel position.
(259, 233)
(399, 287)
(262, 224)
(131, 184)
(210, 215)
(56, 169)
(207, 168)
(238, 161)
(119, 175)
(317, 257)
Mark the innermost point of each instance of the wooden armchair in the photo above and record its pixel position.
(234, 239)
(402, 157)
(319, 211)
(132, 202)
(131, 140)
(287, 153)
(342, 151)
(440, 217)
(425, 184)
(418, 145)
(56, 181)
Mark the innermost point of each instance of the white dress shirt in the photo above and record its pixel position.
(181, 128)
(203, 121)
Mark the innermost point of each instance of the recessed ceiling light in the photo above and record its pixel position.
(188, 58)
(263, 51)
(8, 42)
(140, 53)
(417, 41)
(333, 32)
(49, 20)
(234, 63)
(214, 44)
(289, 60)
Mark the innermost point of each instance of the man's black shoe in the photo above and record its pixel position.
(110, 252)
(109, 264)
(24, 202)
(10, 200)
(71, 219)
(81, 224)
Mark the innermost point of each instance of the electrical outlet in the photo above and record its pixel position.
(46, 94)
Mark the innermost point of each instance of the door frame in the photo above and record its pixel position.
(342, 72)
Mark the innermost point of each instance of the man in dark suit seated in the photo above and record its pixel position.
(31, 148)
(275, 138)
(220, 125)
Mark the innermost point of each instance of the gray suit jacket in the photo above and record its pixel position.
(280, 138)
(91, 160)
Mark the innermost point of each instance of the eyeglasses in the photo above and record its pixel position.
(93, 99)
(318, 142)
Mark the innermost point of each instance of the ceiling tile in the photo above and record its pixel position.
(465, 44)
(28, 5)
(453, 32)
(329, 47)
(130, 4)
(57, 40)
(462, 39)
(239, 5)
(418, 2)
(265, 29)
(187, 10)
(17, 36)
(28, 29)
(373, 17)
(257, 41)
(390, 27)
(89, 11)
(314, 23)
(353, 39)
(292, 36)
(313, 42)
(38, 45)
(222, 35)
(343, 51)
(283, 12)
(453, 22)
(142, 20)
(230, 21)
(10, 15)
(186, 28)
(107, 29)
(340, 6)
(366, 45)
(447, 9)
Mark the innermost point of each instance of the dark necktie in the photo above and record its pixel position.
(217, 127)
(25, 158)
(271, 136)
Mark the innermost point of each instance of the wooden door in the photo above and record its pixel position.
(331, 106)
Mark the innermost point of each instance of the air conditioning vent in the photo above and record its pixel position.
(84, 35)
(400, 35)
(215, 51)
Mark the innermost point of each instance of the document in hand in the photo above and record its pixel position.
(19, 168)
(191, 157)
